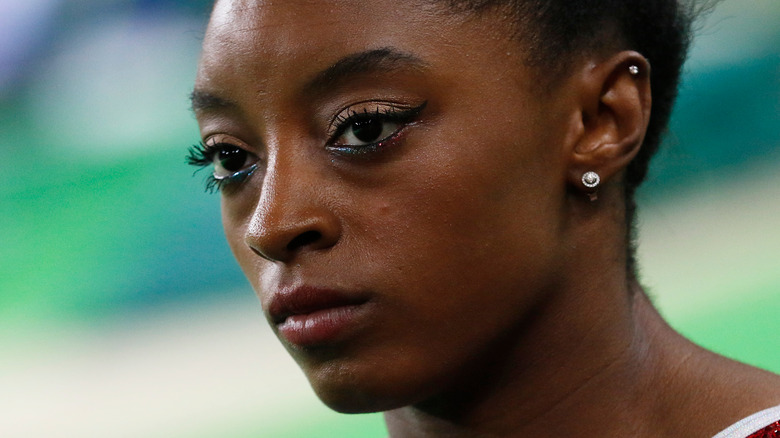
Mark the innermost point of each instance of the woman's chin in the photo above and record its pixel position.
(352, 392)
(354, 399)
(357, 397)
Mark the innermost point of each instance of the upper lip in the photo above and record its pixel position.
(303, 300)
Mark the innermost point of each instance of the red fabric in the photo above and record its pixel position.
(771, 431)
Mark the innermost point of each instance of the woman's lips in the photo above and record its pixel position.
(309, 316)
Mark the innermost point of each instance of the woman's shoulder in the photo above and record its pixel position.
(721, 398)
(756, 393)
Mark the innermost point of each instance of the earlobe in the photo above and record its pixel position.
(615, 102)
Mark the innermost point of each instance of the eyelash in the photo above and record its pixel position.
(388, 114)
(202, 156)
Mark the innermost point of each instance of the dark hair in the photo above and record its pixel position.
(554, 31)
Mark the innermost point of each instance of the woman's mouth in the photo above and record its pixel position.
(310, 316)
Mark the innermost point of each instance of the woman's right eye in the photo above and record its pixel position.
(232, 164)
(229, 160)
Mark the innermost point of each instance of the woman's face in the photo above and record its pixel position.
(401, 208)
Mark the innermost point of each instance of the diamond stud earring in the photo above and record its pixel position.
(591, 180)
(634, 70)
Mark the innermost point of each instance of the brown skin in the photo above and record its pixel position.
(499, 300)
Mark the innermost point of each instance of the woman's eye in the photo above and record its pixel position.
(231, 163)
(229, 160)
(367, 131)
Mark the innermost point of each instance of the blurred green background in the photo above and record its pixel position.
(122, 313)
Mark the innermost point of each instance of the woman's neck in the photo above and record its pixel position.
(654, 383)
(545, 375)
(592, 358)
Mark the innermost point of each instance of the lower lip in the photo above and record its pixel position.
(320, 327)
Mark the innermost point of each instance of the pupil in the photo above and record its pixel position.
(232, 159)
(367, 130)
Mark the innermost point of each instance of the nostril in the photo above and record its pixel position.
(304, 239)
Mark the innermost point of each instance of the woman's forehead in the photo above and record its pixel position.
(298, 38)
(295, 26)
(307, 17)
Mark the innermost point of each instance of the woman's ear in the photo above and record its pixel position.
(615, 101)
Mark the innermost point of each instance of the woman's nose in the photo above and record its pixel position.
(292, 217)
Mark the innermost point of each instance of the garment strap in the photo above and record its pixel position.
(754, 423)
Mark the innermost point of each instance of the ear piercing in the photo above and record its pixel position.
(634, 70)
(591, 180)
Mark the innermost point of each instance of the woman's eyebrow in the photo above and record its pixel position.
(204, 101)
(362, 63)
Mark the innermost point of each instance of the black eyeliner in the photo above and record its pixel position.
(392, 114)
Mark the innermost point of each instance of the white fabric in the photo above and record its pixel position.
(751, 424)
